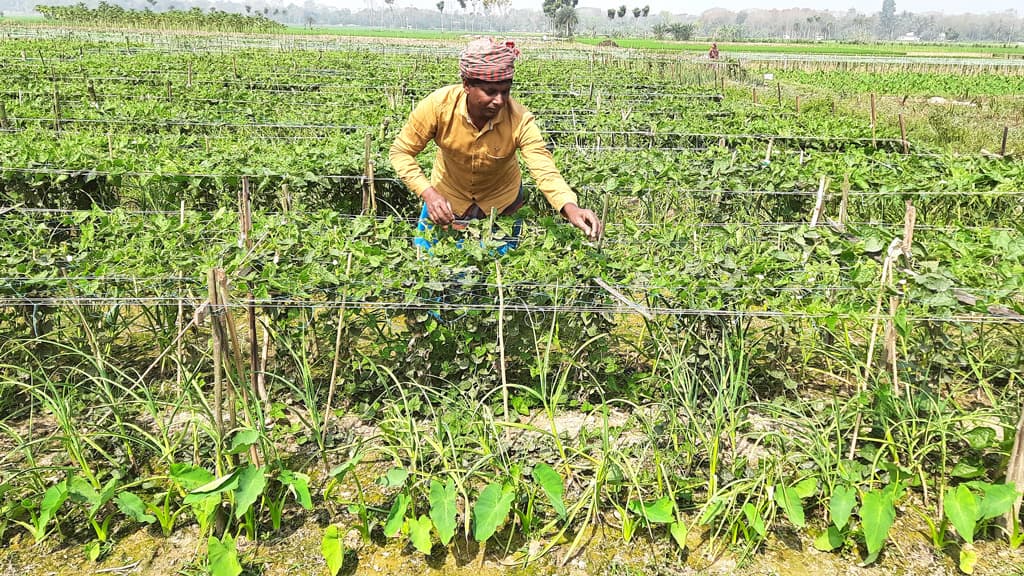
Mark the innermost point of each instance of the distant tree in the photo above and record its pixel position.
(611, 13)
(681, 31)
(646, 10)
(562, 14)
(887, 19)
(622, 11)
(951, 34)
(440, 6)
(636, 12)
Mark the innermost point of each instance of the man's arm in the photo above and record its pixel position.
(418, 130)
(549, 180)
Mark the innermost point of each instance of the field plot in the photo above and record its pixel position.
(799, 346)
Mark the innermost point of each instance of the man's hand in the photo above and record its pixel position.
(438, 207)
(584, 219)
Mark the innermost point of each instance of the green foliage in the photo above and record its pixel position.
(222, 556)
(443, 509)
(490, 510)
(877, 513)
(332, 547)
(551, 482)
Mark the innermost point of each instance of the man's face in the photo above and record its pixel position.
(486, 99)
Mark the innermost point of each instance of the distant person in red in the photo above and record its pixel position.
(713, 53)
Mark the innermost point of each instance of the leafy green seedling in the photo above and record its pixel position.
(52, 500)
(966, 511)
(443, 509)
(491, 510)
(223, 556)
(551, 482)
(333, 549)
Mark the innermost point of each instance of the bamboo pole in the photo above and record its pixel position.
(873, 118)
(369, 192)
(903, 135)
(3, 117)
(501, 340)
(218, 383)
(1002, 148)
(245, 223)
(337, 353)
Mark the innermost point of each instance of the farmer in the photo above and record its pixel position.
(713, 52)
(478, 128)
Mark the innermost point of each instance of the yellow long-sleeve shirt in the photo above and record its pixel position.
(476, 166)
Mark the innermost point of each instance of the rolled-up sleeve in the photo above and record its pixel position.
(542, 166)
(418, 130)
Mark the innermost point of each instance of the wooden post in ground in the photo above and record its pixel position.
(3, 117)
(844, 203)
(1002, 148)
(369, 192)
(903, 135)
(819, 203)
(873, 142)
(216, 311)
(798, 104)
(778, 92)
(1015, 475)
(92, 95)
(56, 109)
(753, 92)
(188, 77)
(245, 224)
(328, 409)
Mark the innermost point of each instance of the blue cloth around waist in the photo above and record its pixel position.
(423, 225)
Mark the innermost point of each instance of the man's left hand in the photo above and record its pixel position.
(585, 220)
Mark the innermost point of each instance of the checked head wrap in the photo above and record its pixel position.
(488, 60)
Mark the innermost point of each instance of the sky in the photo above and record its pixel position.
(698, 6)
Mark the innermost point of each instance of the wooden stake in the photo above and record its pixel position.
(798, 104)
(245, 222)
(188, 77)
(768, 152)
(92, 95)
(778, 92)
(218, 384)
(844, 203)
(903, 136)
(110, 146)
(337, 354)
(873, 142)
(604, 220)
(754, 94)
(369, 193)
(3, 117)
(56, 109)
(1015, 475)
(819, 204)
(909, 220)
(501, 340)
(1002, 148)
(170, 92)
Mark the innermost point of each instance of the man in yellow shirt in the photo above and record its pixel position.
(478, 128)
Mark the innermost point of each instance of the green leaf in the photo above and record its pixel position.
(394, 478)
(964, 468)
(754, 519)
(133, 507)
(223, 556)
(876, 517)
(661, 511)
(333, 548)
(190, 477)
(806, 487)
(53, 498)
(242, 439)
(396, 517)
(551, 482)
(968, 559)
(789, 501)
(216, 486)
(339, 472)
(981, 437)
(829, 539)
(997, 499)
(841, 505)
(252, 481)
(873, 244)
(961, 507)
(490, 511)
(92, 550)
(298, 483)
(679, 531)
(80, 490)
(419, 533)
(442, 509)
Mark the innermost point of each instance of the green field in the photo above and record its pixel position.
(798, 347)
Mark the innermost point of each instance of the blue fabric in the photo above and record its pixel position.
(423, 225)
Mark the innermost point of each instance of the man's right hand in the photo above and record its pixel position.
(438, 207)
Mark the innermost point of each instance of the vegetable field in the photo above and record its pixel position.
(800, 342)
